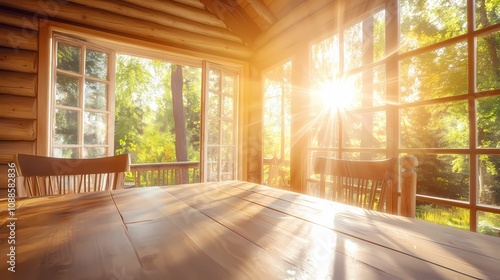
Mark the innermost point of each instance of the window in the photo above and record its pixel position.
(220, 129)
(277, 125)
(82, 119)
(348, 95)
(83, 100)
(436, 96)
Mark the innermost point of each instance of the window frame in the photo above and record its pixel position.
(135, 47)
(110, 84)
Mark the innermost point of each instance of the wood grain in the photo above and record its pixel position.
(71, 237)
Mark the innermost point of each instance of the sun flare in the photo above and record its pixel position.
(337, 96)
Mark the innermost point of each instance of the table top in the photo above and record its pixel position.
(229, 230)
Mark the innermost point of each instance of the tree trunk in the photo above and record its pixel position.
(179, 119)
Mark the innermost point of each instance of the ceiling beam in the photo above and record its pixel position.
(138, 12)
(135, 28)
(180, 10)
(263, 11)
(235, 18)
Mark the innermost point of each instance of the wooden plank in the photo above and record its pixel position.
(235, 18)
(470, 241)
(17, 83)
(19, 107)
(237, 255)
(8, 150)
(181, 10)
(71, 237)
(17, 129)
(28, 23)
(149, 14)
(444, 246)
(322, 247)
(419, 243)
(145, 30)
(18, 60)
(17, 38)
(6, 207)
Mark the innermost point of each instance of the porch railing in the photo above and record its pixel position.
(161, 174)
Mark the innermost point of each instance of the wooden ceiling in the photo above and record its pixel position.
(231, 28)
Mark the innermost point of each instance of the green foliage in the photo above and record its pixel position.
(458, 218)
(144, 125)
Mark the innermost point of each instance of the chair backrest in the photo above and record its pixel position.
(366, 184)
(52, 176)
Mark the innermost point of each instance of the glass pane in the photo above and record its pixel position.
(94, 152)
(379, 35)
(68, 57)
(487, 13)
(95, 128)
(325, 58)
(214, 80)
(379, 87)
(488, 179)
(213, 131)
(212, 163)
(367, 130)
(435, 74)
(96, 64)
(227, 163)
(227, 107)
(444, 215)
(95, 95)
(67, 88)
(443, 175)
(66, 130)
(443, 125)
(489, 223)
(227, 133)
(325, 132)
(229, 84)
(66, 153)
(487, 52)
(488, 125)
(426, 22)
(353, 46)
(213, 104)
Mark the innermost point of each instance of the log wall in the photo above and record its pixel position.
(18, 88)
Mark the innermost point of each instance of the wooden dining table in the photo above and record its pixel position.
(229, 230)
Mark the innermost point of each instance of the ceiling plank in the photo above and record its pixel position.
(180, 10)
(235, 18)
(263, 11)
(192, 3)
(299, 13)
(133, 11)
(140, 29)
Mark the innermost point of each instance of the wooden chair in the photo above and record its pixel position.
(365, 184)
(53, 176)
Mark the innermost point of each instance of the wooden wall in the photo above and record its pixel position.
(18, 87)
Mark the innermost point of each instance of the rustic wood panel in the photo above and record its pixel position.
(18, 60)
(17, 129)
(19, 107)
(27, 22)
(141, 29)
(138, 12)
(180, 10)
(4, 169)
(19, 84)
(82, 246)
(8, 150)
(17, 38)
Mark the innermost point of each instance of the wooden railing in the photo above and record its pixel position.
(161, 174)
